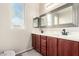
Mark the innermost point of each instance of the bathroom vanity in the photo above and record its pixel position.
(65, 44)
(54, 45)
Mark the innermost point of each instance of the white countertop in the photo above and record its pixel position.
(74, 37)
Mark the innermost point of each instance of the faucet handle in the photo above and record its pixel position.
(67, 33)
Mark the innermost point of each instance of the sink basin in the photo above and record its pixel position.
(70, 36)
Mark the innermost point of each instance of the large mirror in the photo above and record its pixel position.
(36, 22)
(61, 17)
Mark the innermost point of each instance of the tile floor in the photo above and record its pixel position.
(31, 53)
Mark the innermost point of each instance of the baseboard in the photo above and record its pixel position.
(21, 52)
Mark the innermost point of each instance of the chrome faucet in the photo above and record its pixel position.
(64, 32)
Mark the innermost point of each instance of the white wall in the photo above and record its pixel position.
(17, 39)
(32, 10)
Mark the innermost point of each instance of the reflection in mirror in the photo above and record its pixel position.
(56, 20)
(65, 15)
(36, 22)
(50, 20)
(43, 21)
(61, 17)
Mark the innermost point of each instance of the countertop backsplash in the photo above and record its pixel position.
(71, 30)
(57, 32)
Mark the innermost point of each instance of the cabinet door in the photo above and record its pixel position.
(67, 48)
(51, 46)
(43, 45)
(38, 43)
(75, 49)
(33, 41)
(60, 47)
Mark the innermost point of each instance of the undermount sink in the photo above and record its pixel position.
(59, 35)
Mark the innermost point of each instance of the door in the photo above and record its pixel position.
(60, 47)
(33, 41)
(38, 42)
(75, 48)
(43, 45)
(67, 47)
(51, 46)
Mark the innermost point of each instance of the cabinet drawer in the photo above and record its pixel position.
(43, 52)
(38, 48)
(43, 37)
(37, 40)
(43, 47)
(43, 42)
(33, 41)
(37, 43)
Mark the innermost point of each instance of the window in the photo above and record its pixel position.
(17, 15)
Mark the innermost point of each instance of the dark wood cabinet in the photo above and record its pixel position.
(51, 46)
(75, 49)
(60, 47)
(38, 47)
(43, 45)
(67, 48)
(34, 41)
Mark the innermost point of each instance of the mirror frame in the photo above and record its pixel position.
(36, 18)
